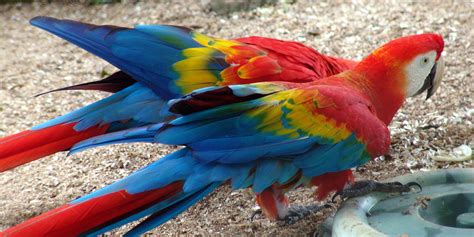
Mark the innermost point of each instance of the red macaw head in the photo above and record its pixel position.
(403, 67)
(414, 64)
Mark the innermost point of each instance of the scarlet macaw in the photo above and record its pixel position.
(270, 136)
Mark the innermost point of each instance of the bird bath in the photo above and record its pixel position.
(445, 207)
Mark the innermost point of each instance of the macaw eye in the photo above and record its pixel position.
(426, 60)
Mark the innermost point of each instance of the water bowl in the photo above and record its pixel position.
(445, 207)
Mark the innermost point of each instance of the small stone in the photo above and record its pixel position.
(460, 153)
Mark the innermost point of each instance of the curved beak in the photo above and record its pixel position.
(433, 80)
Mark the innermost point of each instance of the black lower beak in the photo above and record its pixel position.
(429, 81)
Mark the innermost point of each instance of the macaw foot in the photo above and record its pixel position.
(274, 205)
(297, 213)
(360, 188)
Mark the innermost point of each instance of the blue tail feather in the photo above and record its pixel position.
(159, 213)
(177, 166)
(172, 211)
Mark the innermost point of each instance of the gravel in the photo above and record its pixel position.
(33, 61)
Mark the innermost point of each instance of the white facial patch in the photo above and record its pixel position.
(418, 70)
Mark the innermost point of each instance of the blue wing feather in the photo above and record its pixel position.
(147, 53)
(123, 105)
(266, 173)
(177, 37)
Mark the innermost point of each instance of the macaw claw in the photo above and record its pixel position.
(298, 212)
(364, 187)
(256, 213)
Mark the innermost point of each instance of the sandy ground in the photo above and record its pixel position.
(33, 61)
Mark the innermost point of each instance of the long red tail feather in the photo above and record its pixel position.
(87, 216)
(30, 145)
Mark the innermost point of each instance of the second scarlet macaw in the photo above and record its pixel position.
(158, 63)
(270, 136)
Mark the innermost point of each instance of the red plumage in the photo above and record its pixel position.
(77, 219)
(331, 182)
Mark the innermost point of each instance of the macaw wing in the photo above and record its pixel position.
(172, 60)
(199, 100)
(315, 129)
(144, 56)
